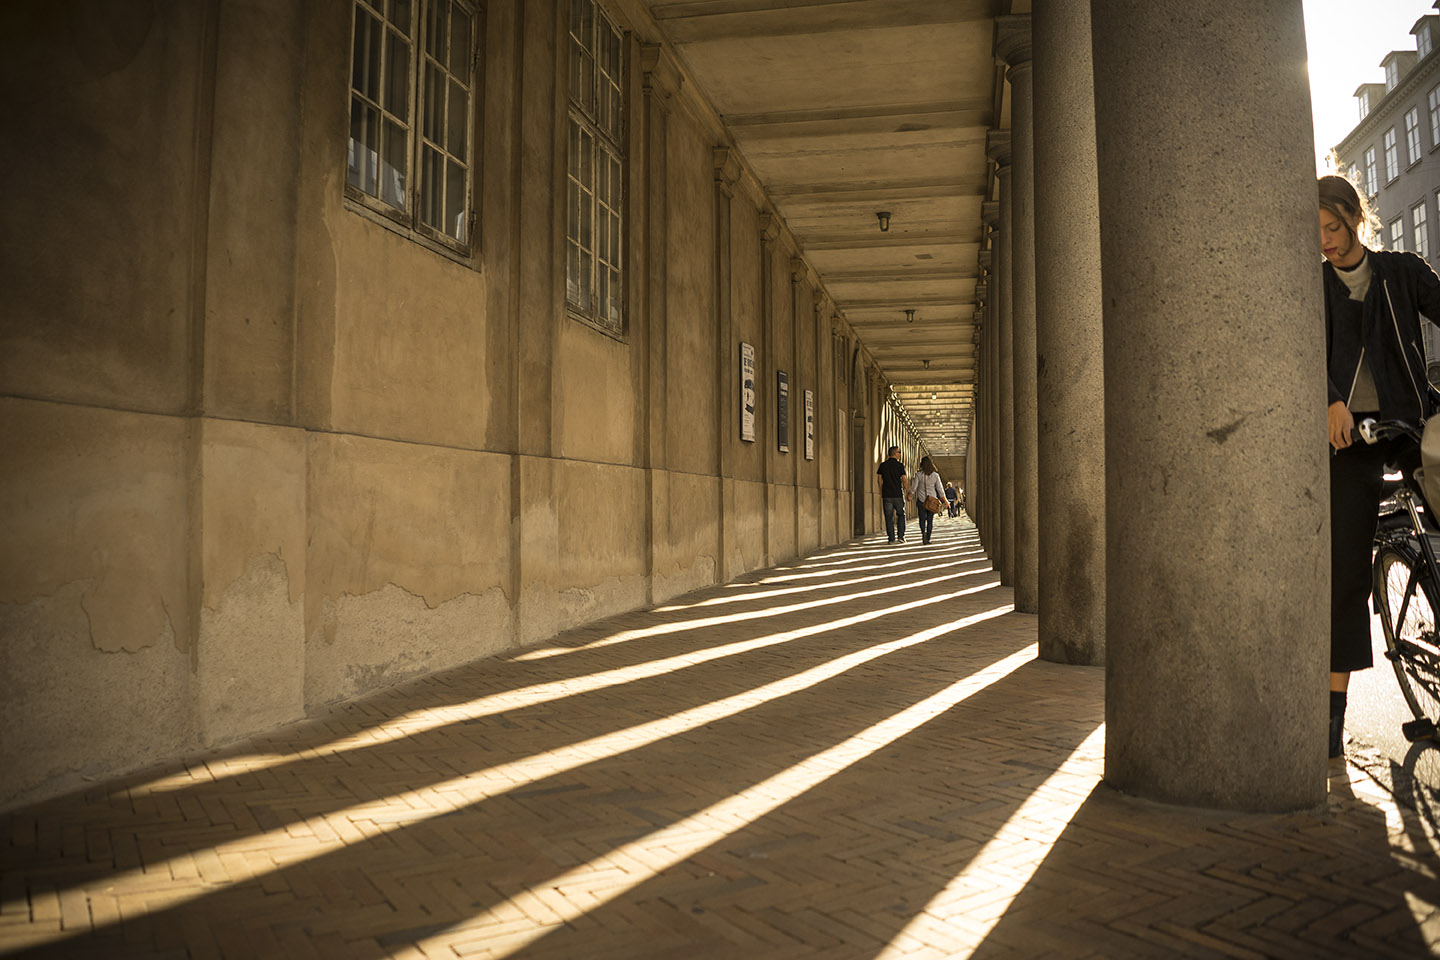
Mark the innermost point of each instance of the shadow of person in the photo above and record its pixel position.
(1132, 878)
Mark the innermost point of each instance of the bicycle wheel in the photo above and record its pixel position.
(1406, 597)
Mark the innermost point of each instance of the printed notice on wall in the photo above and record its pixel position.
(809, 424)
(747, 392)
(782, 410)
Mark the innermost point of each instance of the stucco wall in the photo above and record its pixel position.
(260, 452)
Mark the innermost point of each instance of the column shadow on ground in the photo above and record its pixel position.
(511, 839)
(1132, 878)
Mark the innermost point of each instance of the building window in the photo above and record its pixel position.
(1364, 101)
(1371, 185)
(1392, 156)
(1433, 102)
(596, 183)
(1392, 75)
(1422, 40)
(412, 81)
(1412, 134)
(1397, 234)
(1420, 231)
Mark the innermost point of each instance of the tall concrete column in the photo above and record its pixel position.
(990, 214)
(997, 146)
(1012, 43)
(1068, 324)
(1217, 632)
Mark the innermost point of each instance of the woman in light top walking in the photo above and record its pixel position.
(927, 484)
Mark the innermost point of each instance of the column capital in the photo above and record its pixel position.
(799, 270)
(982, 291)
(769, 227)
(1012, 39)
(727, 168)
(997, 146)
(990, 214)
(984, 258)
(662, 78)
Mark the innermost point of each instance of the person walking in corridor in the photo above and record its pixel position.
(894, 488)
(928, 486)
(1373, 303)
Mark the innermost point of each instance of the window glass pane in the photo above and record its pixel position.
(584, 298)
(437, 20)
(582, 18)
(587, 83)
(460, 43)
(365, 65)
(431, 187)
(392, 165)
(434, 104)
(572, 274)
(602, 288)
(401, 13)
(455, 124)
(455, 200)
(364, 145)
(397, 80)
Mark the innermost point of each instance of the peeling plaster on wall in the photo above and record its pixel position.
(124, 616)
(681, 581)
(376, 639)
(251, 664)
(613, 595)
(68, 716)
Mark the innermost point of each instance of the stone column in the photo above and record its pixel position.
(773, 473)
(1070, 387)
(997, 146)
(661, 80)
(1012, 43)
(990, 214)
(1217, 523)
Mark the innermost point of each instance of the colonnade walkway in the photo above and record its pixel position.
(856, 755)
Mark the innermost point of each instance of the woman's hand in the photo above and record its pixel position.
(1341, 424)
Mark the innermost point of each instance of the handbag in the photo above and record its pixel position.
(934, 504)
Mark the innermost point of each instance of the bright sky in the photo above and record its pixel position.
(1346, 41)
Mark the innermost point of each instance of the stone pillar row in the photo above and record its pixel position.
(1214, 647)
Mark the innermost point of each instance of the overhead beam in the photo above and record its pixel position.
(713, 20)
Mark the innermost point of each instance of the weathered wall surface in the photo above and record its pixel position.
(261, 452)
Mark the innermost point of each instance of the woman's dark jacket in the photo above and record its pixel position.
(1385, 329)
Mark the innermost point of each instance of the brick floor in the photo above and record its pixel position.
(856, 755)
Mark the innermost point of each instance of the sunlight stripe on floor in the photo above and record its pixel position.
(569, 896)
(996, 875)
(397, 812)
(417, 722)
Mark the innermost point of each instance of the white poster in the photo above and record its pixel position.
(809, 425)
(747, 392)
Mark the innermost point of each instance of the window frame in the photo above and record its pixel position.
(608, 138)
(1420, 230)
(1372, 171)
(1392, 155)
(1392, 75)
(1413, 149)
(1397, 234)
(1423, 41)
(409, 221)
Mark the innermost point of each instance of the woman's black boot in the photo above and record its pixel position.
(1337, 723)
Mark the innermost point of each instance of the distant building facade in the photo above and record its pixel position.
(1393, 154)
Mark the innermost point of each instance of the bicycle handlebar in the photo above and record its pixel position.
(1373, 431)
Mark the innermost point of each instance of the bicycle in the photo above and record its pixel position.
(1406, 587)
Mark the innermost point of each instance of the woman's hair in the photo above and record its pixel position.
(926, 465)
(1339, 196)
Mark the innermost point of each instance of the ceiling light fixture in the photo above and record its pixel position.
(884, 217)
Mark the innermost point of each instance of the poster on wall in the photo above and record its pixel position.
(809, 424)
(747, 392)
(782, 410)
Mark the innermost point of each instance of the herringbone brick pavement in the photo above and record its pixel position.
(856, 755)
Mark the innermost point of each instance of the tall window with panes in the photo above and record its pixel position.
(1371, 182)
(412, 95)
(1397, 234)
(1412, 135)
(1419, 230)
(1392, 156)
(595, 194)
(1422, 41)
(1392, 75)
(1433, 103)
